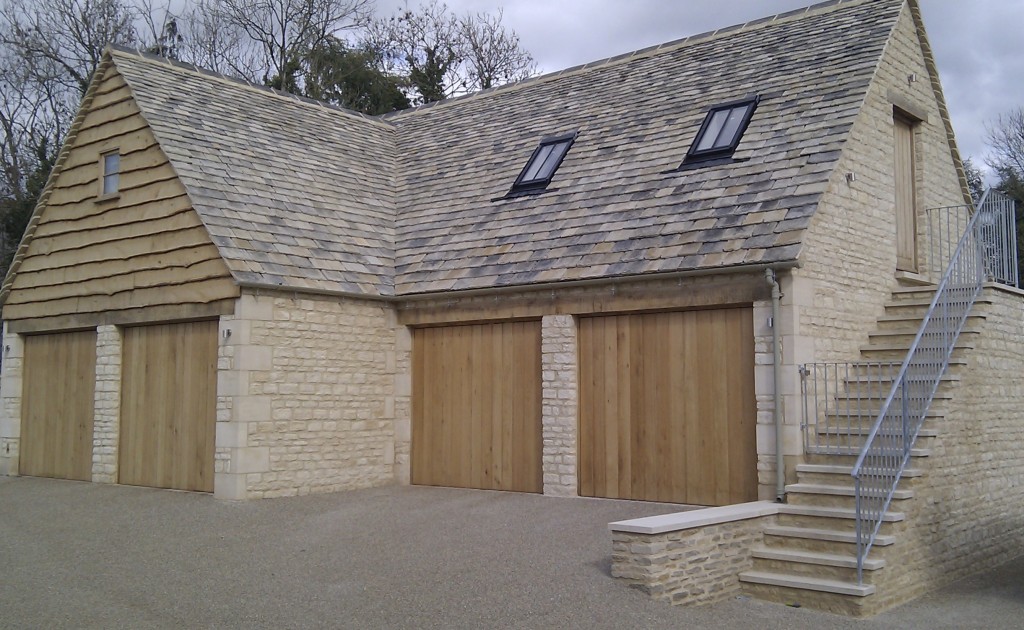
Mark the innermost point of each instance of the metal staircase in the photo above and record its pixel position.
(865, 421)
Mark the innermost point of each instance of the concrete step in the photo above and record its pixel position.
(824, 535)
(807, 583)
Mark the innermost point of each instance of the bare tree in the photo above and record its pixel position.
(210, 39)
(285, 31)
(493, 53)
(444, 55)
(62, 41)
(1006, 141)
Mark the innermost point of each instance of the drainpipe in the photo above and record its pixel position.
(780, 471)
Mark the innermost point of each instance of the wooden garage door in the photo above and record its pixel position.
(476, 408)
(58, 383)
(667, 407)
(169, 406)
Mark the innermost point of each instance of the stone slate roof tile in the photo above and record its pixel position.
(300, 194)
(266, 171)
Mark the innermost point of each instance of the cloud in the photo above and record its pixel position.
(975, 43)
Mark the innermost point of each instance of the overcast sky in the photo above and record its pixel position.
(976, 42)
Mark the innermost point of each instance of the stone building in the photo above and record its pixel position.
(607, 281)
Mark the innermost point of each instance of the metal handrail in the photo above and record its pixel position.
(887, 449)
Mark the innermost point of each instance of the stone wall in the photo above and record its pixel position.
(107, 410)
(968, 511)
(695, 562)
(313, 397)
(558, 411)
(850, 252)
(10, 400)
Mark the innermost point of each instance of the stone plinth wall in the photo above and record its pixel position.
(697, 558)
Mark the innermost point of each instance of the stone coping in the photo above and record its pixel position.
(679, 521)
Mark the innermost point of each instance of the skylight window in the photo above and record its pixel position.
(544, 162)
(722, 129)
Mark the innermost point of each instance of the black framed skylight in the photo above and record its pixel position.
(543, 163)
(722, 130)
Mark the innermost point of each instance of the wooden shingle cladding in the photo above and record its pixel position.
(141, 248)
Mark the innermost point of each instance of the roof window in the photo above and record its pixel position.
(722, 129)
(544, 162)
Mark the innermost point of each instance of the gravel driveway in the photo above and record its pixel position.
(81, 555)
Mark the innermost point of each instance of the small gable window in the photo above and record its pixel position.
(544, 162)
(110, 165)
(722, 129)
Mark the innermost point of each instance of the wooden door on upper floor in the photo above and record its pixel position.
(906, 195)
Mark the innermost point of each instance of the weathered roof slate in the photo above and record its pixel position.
(294, 193)
(303, 195)
(618, 205)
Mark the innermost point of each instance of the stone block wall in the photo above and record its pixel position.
(10, 401)
(560, 396)
(313, 397)
(968, 511)
(107, 410)
(692, 565)
(850, 252)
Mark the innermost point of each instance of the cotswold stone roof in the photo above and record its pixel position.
(293, 192)
(304, 195)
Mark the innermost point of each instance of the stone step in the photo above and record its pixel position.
(839, 469)
(889, 346)
(845, 561)
(807, 583)
(852, 430)
(904, 319)
(839, 491)
(825, 535)
(835, 512)
(905, 337)
(885, 381)
(907, 301)
(847, 400)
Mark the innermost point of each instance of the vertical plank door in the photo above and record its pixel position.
(476, 409)
(667, 407)
(906, 195)
(58, 383)
(169, 406)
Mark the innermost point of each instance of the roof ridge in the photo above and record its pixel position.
(642, 53)
(270, 91)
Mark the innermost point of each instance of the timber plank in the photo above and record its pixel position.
(168, 405)
(58, 385)
(667, 407)
(476, 408)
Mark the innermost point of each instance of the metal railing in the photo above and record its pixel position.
(875, 409)
(840, 402)
(979, 255)
(996, 230)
